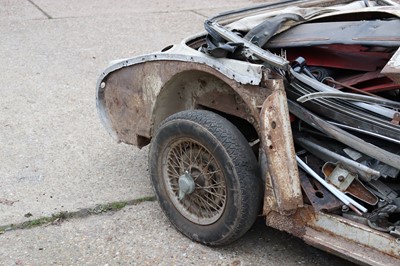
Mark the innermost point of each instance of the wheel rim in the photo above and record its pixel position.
(206, 203)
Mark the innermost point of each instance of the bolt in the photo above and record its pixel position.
(341, 178)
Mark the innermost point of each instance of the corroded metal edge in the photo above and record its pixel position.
(277, 143)
(241, 72)
(351, 240)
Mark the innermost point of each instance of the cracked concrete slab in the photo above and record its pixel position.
(11, 10)
(55, 155)
(141, 235)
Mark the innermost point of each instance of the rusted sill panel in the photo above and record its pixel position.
(277, 143)
(347, 249)
(341, 236)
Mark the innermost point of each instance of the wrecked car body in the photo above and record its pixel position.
(290, 106)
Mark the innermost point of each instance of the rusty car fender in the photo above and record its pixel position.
(134, 95)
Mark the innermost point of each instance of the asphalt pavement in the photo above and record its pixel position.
(57, 159)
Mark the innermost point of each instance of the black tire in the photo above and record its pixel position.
(222, 168)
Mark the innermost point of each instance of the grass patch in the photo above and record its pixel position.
(113, 206)
(44, 220)
(55, 218)
(58, 218)
(118, 205)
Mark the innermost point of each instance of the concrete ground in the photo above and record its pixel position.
(56, 157)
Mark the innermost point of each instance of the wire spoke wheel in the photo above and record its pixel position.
(205, 177)
(206, 203)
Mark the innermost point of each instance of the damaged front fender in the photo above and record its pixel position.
(134, 95)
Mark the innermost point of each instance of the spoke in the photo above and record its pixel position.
(197, 210)
(220, 196)
(198, 153)
(178, 161)
(218, 185)
(173, 161)
(221, 191)
(198, 206)
(212, 200)
(208, 163)
(190, 154)
(204, 209)
(206, 203)
(184, 154)
(172, 171)
(213, 172)
(181, 155)
(174, 185)
(209, 187)
(200, 203)
(198, 186)
(214, 181)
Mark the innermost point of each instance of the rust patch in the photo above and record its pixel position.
(269, 195)
(139, 97)
(224, 102)
(350, 250)
(352, 232)
(277, 143)
(320, 198)
(292, 223)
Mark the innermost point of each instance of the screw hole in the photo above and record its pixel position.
(273, 124)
